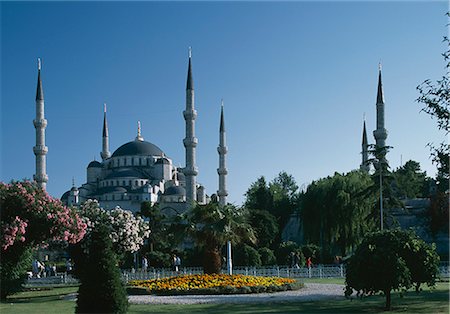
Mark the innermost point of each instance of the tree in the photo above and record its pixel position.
(30, 219)
(101, 289)
(267, 256)
(334, 212)
(391, 260)
(279, 198)
(410, 181)
(436, 100)
(211, 226)
(245, 255)
(265, 226)
(258, 196)
(127, 232)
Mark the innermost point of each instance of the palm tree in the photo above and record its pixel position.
(211, 226)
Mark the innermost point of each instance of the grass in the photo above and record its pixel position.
(437, 301)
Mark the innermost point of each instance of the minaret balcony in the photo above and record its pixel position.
(190, 142)
(222, 150)
(40, 150)
(380, 134)
(40, 177)
(222, 193)
(40, 123)
(190, 171)
(190, 114)
(222, 171)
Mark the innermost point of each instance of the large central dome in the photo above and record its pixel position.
(137, 147)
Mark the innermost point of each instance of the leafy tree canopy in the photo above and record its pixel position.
(391, 260)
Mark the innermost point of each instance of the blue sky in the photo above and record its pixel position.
(296, 79)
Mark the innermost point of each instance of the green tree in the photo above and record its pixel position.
(258, 196)
(410, 181)
(334, 213)
(265, 226)
(383, 176)
(101, 289)
(211, 226)
(245, 255)
(391, 260)
(267, 256)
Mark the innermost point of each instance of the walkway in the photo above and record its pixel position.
(311, 292)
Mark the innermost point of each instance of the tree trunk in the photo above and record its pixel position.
(387, 293)
(212, 262)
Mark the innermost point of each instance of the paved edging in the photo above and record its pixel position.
(311, 292)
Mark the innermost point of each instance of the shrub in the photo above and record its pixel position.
(267, 256)
(101, 290)
(245, 255)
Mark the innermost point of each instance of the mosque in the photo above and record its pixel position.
(138, 171)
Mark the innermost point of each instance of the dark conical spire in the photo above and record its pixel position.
(190, 81)
(222, 121)
(105, 123)
(39, 90)
(380, 98)
(364, 137)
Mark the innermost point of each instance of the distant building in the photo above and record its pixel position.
(138, 171)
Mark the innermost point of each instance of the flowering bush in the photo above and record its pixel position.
(127, 232)
(30, 216)
(210, 283)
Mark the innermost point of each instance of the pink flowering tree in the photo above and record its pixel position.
(29, 219)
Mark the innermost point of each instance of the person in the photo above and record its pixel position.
(309, 262)
(178, 262)
(144, 263)
(35, 268)
(174, 262)
(68, 266)
(53, 270)
(297, 260)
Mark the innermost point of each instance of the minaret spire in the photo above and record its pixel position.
(40, 123)
(380, 133)
(222, 149)
(365, 150)
(190, 141)
(139, 136)
(105, 154)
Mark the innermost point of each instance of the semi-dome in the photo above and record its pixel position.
(140, 148)
(94, 164)
(175, 190)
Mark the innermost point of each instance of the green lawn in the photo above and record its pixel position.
(437, 301)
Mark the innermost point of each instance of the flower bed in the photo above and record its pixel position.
(212, 284)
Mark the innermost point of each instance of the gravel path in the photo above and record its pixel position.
(311, 292)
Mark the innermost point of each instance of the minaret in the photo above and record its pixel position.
(190, 141)
(222, 149)
(40, 123)
(365, 150)
(105, 154)
(380, 133)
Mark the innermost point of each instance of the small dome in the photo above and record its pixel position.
(94, 164)
(74, 188)
(140, 148)
(65, 196)
(175, 190)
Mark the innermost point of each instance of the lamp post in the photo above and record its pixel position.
(381, 197)
(229, 261)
